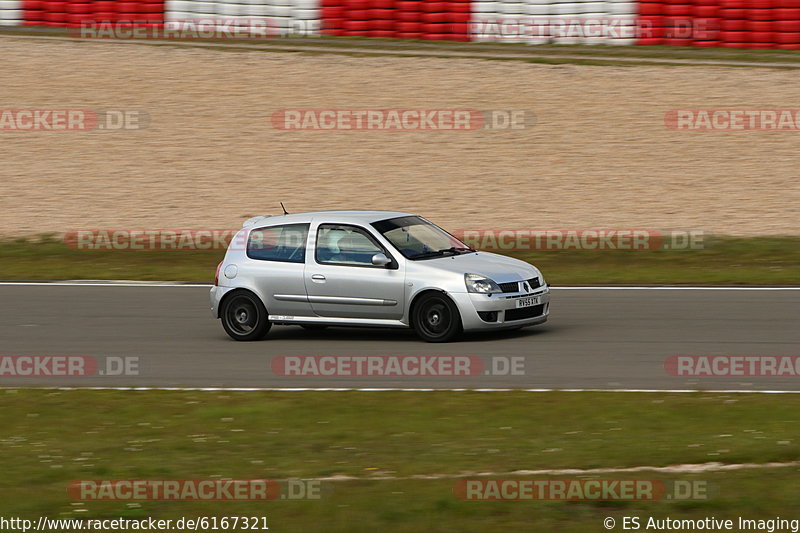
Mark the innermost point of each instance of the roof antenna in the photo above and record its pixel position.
(284, 209)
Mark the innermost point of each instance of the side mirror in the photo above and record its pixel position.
(380, 260)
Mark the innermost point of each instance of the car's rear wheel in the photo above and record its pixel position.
(436, 318)
(244, 317)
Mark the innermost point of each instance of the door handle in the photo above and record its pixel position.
(318, 277)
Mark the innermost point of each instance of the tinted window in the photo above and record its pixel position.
(345, 245)
(279, 243)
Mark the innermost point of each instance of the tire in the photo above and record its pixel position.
(244, 317)
(313, 327)
(436, 318)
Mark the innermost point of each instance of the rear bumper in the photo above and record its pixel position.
(503, 307)
(215, 296)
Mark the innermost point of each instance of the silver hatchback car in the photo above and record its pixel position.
(369, 268)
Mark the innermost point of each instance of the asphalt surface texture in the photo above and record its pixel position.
(594, 339)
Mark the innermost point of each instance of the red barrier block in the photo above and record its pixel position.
(760, 36)
(459, 18)
(787, 13)
(408, 35)
(678, 10)
(381, 14)
(382, 25)
(734, 36)
(786, 25)
(409, 27)
(79, 7)
(788, 46)
(357, 14)
(434, 7)
(357, 4)
(408, 5)
(33, 15)
(409, 16)
(760, 14)
(651, 8)
(733, 25)
(356, 25)
(459, 7)
(435, 18)
(787, 37)
(333, 12)
(706, 11)
(55, 16)
(759, 25)
(706, 44)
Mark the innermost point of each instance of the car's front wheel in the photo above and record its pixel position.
(436, 318)
(244, 317)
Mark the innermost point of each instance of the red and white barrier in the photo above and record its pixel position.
(701, 23)
(11, 13)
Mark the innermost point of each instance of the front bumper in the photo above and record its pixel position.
(470, 304)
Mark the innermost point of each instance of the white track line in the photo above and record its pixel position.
(125, 283)
(372, 389)
(687, 468)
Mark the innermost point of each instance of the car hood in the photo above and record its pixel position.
(499, 268)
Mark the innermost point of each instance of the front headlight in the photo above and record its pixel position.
(480, 284)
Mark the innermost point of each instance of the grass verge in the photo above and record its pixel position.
(725, 261)
(50, 438)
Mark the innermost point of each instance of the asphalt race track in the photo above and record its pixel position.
(595, 339)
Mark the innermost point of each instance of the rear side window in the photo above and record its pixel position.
(279, 243)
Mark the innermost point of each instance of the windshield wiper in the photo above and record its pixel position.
(453, 250)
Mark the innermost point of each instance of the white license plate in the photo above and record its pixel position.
(527, 302)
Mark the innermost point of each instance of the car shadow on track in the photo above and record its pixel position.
(356, 334)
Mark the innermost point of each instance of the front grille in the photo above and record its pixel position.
(525, 312)
(534, 283)
(512, 286)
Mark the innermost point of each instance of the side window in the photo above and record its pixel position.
(345, 245)
(279, 243)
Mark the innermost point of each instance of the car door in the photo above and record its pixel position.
(341, 280)
(278, 255)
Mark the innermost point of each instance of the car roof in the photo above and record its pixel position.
(354, 216)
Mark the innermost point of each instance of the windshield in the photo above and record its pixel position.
(416, 238)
